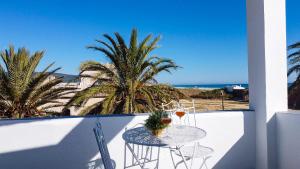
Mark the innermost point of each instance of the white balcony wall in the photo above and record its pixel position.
(288, 134)
(67, 143)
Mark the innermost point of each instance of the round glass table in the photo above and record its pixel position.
(172, 136)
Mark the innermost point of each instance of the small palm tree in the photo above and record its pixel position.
(294, 59)
(24, 92)
(129, 81)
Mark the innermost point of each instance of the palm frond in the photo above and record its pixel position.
(293, 59)
(294, 46)
(22, 89)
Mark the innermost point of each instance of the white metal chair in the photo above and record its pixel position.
(190, 152)
(107, 163)
(188, 105)
(190, 109)
(170, 107)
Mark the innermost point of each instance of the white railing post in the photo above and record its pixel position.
(266, 23)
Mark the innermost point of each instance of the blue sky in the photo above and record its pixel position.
(206, 38)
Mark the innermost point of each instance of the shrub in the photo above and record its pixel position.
(211, 94)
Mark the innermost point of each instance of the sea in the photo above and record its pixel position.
(207, 86)
(211, 86)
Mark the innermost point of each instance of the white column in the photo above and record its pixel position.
(266, 23)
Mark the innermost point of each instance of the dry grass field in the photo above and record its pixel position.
(213, 104)
(216, 104)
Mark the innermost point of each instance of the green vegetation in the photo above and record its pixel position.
(129, 83)
(294, 59)
(24, 92)
(294, 67)
(211, 94)
(154, 122)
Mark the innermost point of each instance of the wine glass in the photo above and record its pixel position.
(180, 114)
(166, 121)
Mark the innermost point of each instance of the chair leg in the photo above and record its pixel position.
(192, 159)
(204, 162)
(171, 153)
(178, 163)
(182, 161)
(205, 166)
(183, 158)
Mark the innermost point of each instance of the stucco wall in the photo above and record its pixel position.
(69, 142)
(288, 140)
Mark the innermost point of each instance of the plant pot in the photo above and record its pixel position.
(157, 133)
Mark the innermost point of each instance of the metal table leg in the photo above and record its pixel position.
(134, 155)
(144, 159)
(157, 163)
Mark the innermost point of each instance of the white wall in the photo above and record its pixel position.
(288, 134)
(69, 142)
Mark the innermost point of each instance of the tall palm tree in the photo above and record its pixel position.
(24, 92)
(129, 82)
(294, 59)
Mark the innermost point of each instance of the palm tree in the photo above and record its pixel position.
(24, 92)
(294, 59)
(129, 82)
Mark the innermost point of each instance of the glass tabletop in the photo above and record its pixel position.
(174, 135)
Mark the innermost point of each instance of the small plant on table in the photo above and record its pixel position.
(157, 121)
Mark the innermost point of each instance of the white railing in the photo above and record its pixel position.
(70, 143)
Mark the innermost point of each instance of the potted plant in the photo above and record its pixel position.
(157, 121)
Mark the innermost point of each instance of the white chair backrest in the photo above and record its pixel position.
(188, 105)
(102, 146)
(170, 107)
(190, 110)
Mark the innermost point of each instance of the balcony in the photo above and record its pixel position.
(70, 143)
(267, 137)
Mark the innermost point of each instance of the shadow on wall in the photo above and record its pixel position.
(68, 152)
(232, 158)
(272, 143)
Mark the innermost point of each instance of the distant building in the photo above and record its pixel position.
(80, 83)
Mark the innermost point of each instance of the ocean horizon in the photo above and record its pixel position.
(211, 86)
(208, 86)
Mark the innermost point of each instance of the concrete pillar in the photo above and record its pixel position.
(266, 24)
